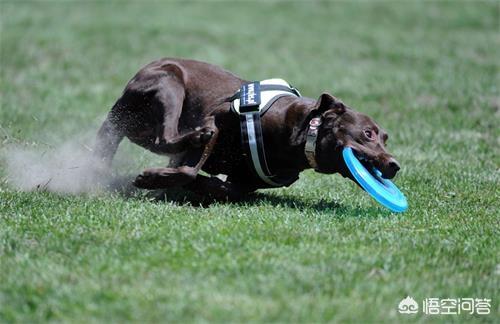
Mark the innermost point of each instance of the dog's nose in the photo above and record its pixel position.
(390, 168)
(394, 165)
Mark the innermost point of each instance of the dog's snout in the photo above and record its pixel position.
(394, 165)
(390, 168)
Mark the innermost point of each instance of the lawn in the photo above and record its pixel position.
(318, 251)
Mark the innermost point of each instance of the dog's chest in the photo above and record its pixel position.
(227, 155)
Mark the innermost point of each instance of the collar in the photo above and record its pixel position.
(312, 136)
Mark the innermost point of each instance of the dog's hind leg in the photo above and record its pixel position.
(151, 107)
(153, 103)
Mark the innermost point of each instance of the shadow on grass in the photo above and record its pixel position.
(256, 198)
(181, 196)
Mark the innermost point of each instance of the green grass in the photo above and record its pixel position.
(318, 251)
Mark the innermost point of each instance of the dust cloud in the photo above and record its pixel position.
(70, 168)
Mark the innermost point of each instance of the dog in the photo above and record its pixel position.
(185, 109)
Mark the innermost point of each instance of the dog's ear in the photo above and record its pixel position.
(328, 102)
(325, 103)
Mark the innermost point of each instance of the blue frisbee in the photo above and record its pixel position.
(382, 190)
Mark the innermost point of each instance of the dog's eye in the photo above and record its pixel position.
(369, 134)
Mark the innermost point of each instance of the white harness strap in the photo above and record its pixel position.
(276, 88)
(257, 98)
(254, 153)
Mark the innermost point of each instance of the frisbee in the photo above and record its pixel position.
(382, 190)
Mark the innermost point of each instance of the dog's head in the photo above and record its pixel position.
(343, 126)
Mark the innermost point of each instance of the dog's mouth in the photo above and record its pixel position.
(378, 169)
(367, 163)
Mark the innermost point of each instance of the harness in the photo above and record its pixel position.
(251, 102)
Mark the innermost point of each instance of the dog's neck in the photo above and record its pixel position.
(299, 117)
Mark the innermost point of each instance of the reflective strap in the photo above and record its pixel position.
(256, 145)
(269, 87)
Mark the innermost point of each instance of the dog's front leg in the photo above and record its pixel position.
(107, 141)
(159, 178)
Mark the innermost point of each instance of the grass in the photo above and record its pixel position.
(318, 251)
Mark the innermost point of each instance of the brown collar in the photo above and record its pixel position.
(312, 135)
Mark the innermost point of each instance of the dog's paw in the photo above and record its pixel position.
(146, 180)
(161, 178)
(202, 136)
